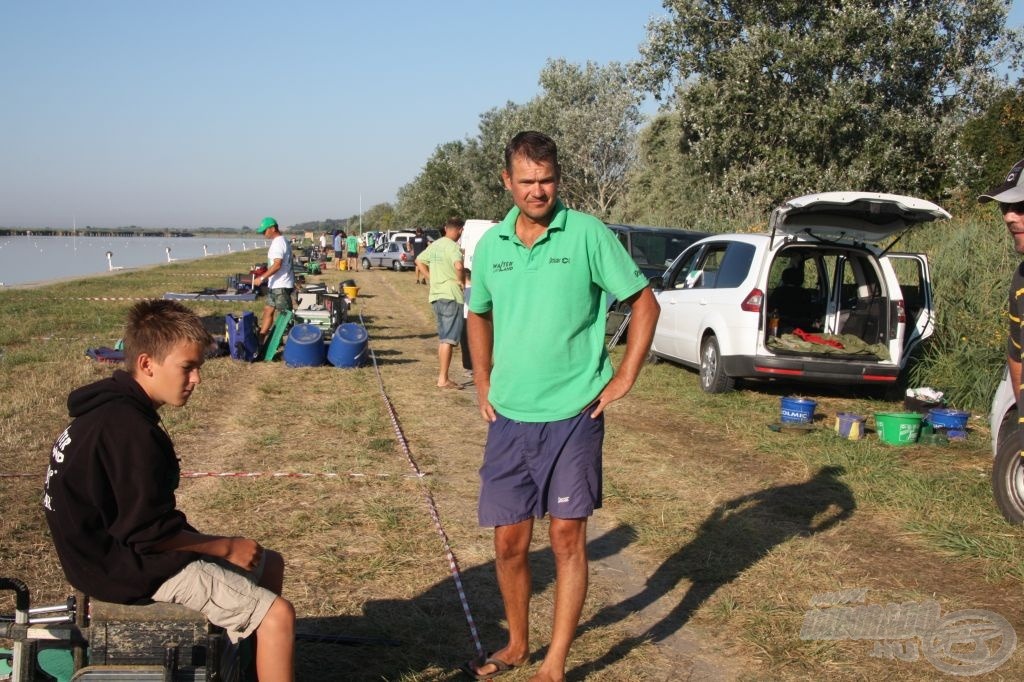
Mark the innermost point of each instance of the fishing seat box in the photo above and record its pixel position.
(142, 635)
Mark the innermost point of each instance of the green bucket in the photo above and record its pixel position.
(898, 428)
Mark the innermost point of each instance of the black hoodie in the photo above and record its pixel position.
(109, 494)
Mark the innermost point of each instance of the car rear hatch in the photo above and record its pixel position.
(861, 310)
(853, 217)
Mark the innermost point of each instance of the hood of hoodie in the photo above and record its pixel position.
(119, 387)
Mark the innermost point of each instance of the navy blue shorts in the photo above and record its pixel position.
(538, 468)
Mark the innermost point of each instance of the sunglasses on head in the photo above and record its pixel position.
(1016, 207)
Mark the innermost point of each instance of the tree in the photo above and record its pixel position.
(593, 114)
(996, 137)
(442, 189)
(788, 97)
(378, 217)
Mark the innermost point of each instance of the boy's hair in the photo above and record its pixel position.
(537, 147)
(456, 222)
(156, 327)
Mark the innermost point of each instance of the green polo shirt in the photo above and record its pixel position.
(441, 257)
(547, 305)
(352, 243)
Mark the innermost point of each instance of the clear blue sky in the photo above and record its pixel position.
(189, 114)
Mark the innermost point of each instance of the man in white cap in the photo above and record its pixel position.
(279, 276)
(1010, 196)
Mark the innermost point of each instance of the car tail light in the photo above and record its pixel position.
(901, 311)
(752, 303)
(402, 257)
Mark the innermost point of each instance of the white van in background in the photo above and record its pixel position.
(471, 233)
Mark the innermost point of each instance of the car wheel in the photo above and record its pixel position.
(396, 266)
(1008, 473)
(366, 264)
(713, 378)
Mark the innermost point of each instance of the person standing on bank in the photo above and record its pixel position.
(279, 276)
(352, 246)
(1010, 196)
(419, 245)
(442, 266)
(543, 379)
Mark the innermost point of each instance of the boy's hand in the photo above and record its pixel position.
(244, 553)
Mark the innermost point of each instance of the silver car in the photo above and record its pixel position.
(396, 255)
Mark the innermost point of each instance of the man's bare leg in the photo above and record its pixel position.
(569, 545)
(511, 562)
(266, 323)
(444, 357)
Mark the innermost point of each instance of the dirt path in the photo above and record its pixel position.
(616, 577)
(653, 610)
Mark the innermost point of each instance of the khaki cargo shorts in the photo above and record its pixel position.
(226, 595)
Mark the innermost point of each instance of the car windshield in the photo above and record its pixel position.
(652, 248)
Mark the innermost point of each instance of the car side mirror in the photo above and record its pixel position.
(657, 282)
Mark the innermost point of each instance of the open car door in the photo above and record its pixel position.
(915, 282)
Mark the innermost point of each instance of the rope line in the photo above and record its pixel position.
(244, 474)
(453, 563)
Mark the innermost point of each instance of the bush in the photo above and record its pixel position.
(972, 262)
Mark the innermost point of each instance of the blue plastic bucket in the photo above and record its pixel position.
(305, 346)
(946, 418)
(797, 410)
(850, 426)
(349, 345)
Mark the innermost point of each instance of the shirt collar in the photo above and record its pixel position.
(507, 227)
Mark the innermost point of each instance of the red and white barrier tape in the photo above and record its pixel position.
(453, 563)
(242, 474)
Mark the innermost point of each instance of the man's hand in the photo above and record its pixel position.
(613, 390)
(244, 553)
(483, 390)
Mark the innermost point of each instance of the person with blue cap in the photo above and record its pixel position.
(279, 277)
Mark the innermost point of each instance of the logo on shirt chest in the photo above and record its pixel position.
(502, 266)
(555, 260)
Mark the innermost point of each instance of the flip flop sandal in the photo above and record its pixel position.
(500, 668)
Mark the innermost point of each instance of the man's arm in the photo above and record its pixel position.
(480, 330)
(274, 267)
(241, 552)
(643, 319)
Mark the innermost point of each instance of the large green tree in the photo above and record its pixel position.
(592, 112)
(780, 98)
(996, 137)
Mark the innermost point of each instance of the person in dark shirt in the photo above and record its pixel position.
(110, 505)
(419, 244)
(1010, 197)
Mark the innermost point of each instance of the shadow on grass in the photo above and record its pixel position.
(430, 628)
(734, 537)
(398, 337)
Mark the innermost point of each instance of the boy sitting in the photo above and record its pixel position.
(109, 498)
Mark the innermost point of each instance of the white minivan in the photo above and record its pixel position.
(817, 298)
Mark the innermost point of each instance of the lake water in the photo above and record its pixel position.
(24, 260)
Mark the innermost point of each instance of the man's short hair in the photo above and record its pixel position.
(454, 222)
(156, 327)
(535, 146)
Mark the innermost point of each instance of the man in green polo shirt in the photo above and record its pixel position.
(543, 379)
